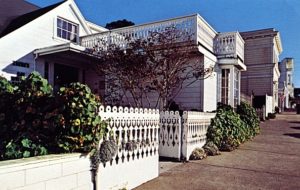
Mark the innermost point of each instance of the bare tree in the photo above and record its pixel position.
(160, 63)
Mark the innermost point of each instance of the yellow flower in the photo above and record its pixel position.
(77, 122)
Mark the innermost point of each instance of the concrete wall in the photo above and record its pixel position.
(63, 172)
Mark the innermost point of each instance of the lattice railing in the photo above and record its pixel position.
(134, 130)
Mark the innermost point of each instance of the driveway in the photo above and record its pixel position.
(270, 161)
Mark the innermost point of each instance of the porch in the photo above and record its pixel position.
(66, 63)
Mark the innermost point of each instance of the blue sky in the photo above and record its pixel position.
(223, 15)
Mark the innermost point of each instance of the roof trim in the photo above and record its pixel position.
(278, 43)
(79, 16)
(96, 27)
(59, 48)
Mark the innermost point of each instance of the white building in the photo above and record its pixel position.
(286, 86)
(54, 41)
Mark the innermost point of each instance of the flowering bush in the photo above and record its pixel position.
(35, 122)
(80, 128)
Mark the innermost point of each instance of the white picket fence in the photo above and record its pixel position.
(180, 135)
(136, 133)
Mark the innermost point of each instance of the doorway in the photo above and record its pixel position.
(64, 75)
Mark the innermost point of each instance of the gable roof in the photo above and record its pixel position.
(26, 18)
(11, 9)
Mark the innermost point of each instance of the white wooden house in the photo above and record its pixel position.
(54, 40)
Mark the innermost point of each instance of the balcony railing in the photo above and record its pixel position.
(118, 36)
(198, 30)
(194, 26)
(229, 44)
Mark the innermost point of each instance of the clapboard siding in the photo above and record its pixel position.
(259, 59)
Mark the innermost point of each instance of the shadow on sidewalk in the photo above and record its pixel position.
(295, 135)
(296, 128)
(294, 122)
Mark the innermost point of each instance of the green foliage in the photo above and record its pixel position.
(229, 129)
(34, 122)
(5, 86)
(24, 126)
(118, 24)
(248, 115)
(81, 128)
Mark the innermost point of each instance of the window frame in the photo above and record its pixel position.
(225, 83)
(66, 27)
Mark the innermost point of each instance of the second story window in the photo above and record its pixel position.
(67, 30)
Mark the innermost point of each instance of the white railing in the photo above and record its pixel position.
(179, 136)
(194, 26)
(119, 36)
(170, 135)
(229, 44)
(136, 133)
(195, 125)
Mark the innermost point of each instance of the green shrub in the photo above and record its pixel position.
(81, 128)
(35, 122)
(248, 115)
(24, 123)
(227, 131)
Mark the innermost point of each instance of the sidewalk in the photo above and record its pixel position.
(270, 161)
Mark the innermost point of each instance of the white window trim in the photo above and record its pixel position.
(56, 37)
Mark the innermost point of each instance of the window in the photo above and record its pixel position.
(21, 64)
(67, 30)
(236, 87)
(225, 86)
